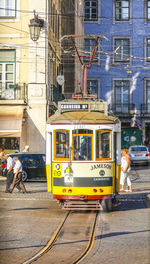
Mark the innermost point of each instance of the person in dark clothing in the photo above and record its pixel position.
(10, 173)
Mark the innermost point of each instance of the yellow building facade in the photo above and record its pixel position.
(24, 73)
(14, 54)
(29, 70)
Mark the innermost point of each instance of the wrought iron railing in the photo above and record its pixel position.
(125, 109)
(14, 92)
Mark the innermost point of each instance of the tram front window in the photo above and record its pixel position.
(61, 144)
(82, 147)
(103, 150)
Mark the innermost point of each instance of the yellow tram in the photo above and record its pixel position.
(83, 155)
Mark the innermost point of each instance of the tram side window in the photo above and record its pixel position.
(62, 144)
(103, 150)
(82, 145)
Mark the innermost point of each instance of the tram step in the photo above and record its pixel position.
(81, 205)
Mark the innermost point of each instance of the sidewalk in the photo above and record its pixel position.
(140, 179)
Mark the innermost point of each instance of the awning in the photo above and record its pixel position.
(11, 121)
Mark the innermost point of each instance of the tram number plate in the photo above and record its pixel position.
(74, 106)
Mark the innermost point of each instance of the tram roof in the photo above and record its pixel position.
(82, 118)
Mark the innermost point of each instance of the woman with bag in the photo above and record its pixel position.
(125, 169)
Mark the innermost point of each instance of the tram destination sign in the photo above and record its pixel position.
(74, 106)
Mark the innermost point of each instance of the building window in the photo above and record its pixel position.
(122, 10)
(7, 72)
(92, 86)
(147, 95)
(91, 10)
(8, 8)
(148, 9)
(148, 49)
(121, 95)
(123, 53)
(89, 45)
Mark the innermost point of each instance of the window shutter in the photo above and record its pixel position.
(7, 55)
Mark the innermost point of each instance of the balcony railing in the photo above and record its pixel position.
(145, 108)
(14, 92)
(122, 109)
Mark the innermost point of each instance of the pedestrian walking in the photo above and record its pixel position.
(17, 180)
(10, 173)
(125, 169)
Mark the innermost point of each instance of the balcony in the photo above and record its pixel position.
(15, 94)
(122, 109)
(145, 109)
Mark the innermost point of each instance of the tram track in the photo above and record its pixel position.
(55, 242)
(49, 244)
(90, 244)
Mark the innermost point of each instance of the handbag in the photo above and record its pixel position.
(128, 169)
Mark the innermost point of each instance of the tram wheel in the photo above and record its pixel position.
(106, 205)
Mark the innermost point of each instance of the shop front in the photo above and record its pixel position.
(10, 127)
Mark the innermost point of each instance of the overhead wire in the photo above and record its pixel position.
(54, 40)
(26, 32)
(62, 14)
(26, 46)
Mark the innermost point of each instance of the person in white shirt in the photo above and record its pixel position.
(26, 149)
(125, 165)
(17, 176)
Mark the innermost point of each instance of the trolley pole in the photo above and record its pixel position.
(85, 78)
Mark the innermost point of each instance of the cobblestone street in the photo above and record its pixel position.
(28, 221)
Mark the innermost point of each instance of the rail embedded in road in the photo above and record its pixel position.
(61, 231)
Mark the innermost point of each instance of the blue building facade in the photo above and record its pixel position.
(120, 73)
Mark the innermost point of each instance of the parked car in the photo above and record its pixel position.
(139, 154)
(33, 165)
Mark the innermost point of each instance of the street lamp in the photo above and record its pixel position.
(35, 27)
